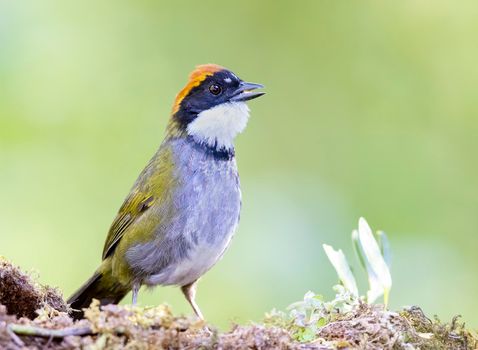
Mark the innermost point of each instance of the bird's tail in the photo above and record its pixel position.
(101, 286)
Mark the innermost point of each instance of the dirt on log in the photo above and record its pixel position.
(33, 316)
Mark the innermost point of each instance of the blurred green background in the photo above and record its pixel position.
(371, 110)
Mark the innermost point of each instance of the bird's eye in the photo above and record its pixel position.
(215, 89)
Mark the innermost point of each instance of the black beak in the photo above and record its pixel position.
(245, 92)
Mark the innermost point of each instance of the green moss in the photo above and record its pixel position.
(344, 322)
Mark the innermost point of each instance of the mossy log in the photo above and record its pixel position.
(33, 316)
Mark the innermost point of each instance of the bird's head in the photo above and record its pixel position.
(212, 108)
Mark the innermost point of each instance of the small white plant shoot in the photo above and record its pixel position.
(374, 255)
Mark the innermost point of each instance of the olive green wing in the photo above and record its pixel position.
(133, 207)
(153, 183)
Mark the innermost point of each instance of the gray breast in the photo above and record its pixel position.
(205, 207)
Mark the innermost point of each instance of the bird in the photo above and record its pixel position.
(181, 213)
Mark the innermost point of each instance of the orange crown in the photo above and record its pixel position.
(197, 76)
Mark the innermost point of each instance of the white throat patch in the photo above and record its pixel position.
(219, 125)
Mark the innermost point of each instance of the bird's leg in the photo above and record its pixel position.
(135, 290)
(189, 291)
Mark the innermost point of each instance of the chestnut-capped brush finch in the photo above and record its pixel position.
(183, 209)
